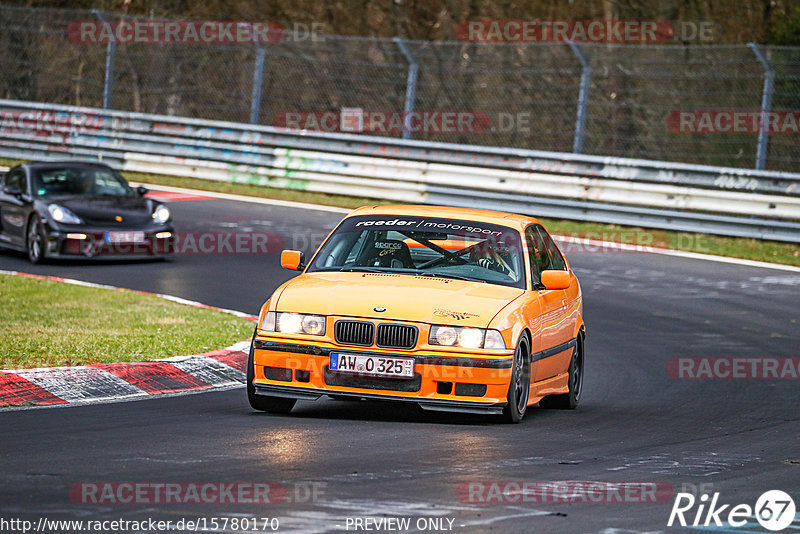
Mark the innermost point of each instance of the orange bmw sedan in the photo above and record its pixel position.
(453, 309)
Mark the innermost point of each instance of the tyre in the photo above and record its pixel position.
(569, 401)
(35, 242)
(260, 402)
(520, 386)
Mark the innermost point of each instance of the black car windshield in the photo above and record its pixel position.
(78, 181)
(425, 246)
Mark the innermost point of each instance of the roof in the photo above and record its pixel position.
(449, 212)
(46, 164)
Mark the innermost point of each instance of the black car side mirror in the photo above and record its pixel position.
(142, 190)
(13, 191)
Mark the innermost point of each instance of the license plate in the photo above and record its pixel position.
(372, 365)
(125, 237)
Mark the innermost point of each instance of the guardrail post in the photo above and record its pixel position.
(766, 105)
(583, 97)
(258, 76)
(111, 54)
(411, 86)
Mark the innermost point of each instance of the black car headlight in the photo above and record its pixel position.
(160, 214)
(63, 215)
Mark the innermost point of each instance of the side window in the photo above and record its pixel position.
(16, 180)
(536, 252)
(554, 258)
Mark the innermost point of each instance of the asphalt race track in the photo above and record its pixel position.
(635, 423)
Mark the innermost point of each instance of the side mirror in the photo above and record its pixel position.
(555, 279)
(292, 260)
(142, 190)
(13, 191)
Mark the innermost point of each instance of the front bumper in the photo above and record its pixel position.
(63, 241)
(454, 382)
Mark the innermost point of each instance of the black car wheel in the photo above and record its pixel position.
(36, 241)
(262, 402)
(520, 386)
(569, 401)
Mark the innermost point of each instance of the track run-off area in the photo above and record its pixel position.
(650, 425)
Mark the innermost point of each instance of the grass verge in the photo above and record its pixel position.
(736, 247)
(47, 323)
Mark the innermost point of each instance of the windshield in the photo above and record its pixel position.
(78, 181)
(449, 248)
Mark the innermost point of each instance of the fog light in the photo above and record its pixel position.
(76, 236)
(470, 390)
(278, 373)
(163, 235)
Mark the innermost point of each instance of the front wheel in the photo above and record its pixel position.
(520, 387)
(569, 401)
(36, 241)
(260, 402)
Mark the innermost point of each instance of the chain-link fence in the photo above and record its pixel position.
(604, 99)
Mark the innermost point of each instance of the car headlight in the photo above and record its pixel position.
(293, 323)
(63, 215)
(160, 214)
(468, 338)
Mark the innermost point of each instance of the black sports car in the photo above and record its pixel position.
(79, 210)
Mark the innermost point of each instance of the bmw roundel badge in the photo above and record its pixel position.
(379, 309)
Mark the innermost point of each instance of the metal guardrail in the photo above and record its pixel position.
(725, 201)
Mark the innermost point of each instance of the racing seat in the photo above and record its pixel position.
(391, 253)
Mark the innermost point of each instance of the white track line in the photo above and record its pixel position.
(243, 198)
(332, 209)
(592, 242)
(613, 245)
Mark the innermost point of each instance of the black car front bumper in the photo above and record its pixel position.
(84, 242)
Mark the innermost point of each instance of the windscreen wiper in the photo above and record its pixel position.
(360, 270)
(453, 276)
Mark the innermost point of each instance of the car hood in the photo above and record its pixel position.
(405, 297)
(133, 210)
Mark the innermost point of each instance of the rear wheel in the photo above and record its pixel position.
(520, 386)
(262, 402)
(569, 401)
(36, 241)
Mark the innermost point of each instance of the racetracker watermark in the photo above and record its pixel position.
(182, 243)
(228, 243)
(181, 493)
(355, 120)
(585, 31)
(733, 368)
(627, 241)
(448, 369)
(564, 492)
(192, 32)
(733, 121)
(46, 123)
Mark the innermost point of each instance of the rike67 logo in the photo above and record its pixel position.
(774, 511)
